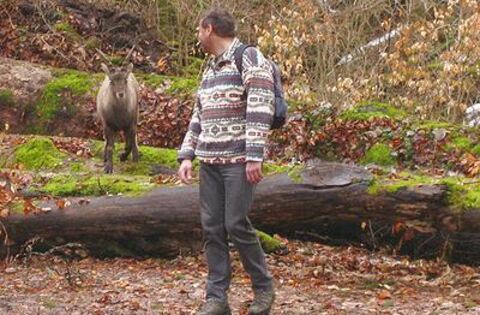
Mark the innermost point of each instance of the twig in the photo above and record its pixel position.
(372, 234)
(54, 48)
(5, 242)
(27, 248)
(55, 33)
(44, 19)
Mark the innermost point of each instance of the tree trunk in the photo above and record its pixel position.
(330, 202)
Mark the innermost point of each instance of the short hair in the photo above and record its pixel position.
(223, 23)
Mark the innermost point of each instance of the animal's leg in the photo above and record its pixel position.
(109, 136)
(128, 145)
(133, 137)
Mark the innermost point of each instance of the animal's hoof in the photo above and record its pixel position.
(108, 169)
(123, 156)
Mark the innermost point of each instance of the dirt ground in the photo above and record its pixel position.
(311, 279)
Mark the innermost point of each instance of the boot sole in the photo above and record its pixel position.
(267, 312)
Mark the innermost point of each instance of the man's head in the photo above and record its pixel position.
(215, 25)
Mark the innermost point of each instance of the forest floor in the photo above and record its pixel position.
(311, 279)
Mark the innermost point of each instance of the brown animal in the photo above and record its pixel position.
(117, 109)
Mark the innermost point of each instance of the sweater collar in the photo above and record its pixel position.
(228, 54)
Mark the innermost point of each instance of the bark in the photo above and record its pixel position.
(331, 202)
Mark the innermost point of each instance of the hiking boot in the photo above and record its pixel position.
(262, 303)
(215, 307)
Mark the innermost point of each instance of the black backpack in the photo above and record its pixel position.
(281, 106)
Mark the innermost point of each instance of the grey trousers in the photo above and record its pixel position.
(225, 199)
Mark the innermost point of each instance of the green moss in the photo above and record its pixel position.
(48, 303)
(368, 110)
(90, 185)
(183, 86)
(149, 156)
(151, 79)
(435, 65)
(405, 180)
(379, 154)
(194, 66)
(38, 153)
(269, 243)
(92, 43)
(271, 168)
(461, 143)
(6, 98)
(61, 92)
(476, 150)
(462, 193)
(16, 207)
(295, 173)
(78, 167)
(429, 125)
(63, 27)
(68, 30)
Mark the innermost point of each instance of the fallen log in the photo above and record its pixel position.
(325, 199)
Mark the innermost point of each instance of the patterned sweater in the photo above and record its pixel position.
(225, 127)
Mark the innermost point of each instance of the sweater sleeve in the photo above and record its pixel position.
(259, 86)
(187, 150)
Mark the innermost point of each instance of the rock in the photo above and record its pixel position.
(439, 133)
(472, 115)
(25, 80)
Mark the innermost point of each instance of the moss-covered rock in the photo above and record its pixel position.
(38, 153)
(269, 244)
(370, 109)
(62, 93)
(379, 154)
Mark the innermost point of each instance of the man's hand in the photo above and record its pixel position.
(254, 172)
(185, 172)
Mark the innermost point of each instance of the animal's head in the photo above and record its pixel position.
(118, 76)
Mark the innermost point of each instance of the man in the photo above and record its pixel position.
(227, 133)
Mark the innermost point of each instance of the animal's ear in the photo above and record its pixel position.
(105, 68)
(130, 67)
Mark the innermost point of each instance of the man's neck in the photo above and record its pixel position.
(222, 46)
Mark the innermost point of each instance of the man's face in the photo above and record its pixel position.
(204, 36)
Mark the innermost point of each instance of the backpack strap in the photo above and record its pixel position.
(238, 54)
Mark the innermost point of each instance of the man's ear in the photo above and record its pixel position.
(105, 68)
(209, 29)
